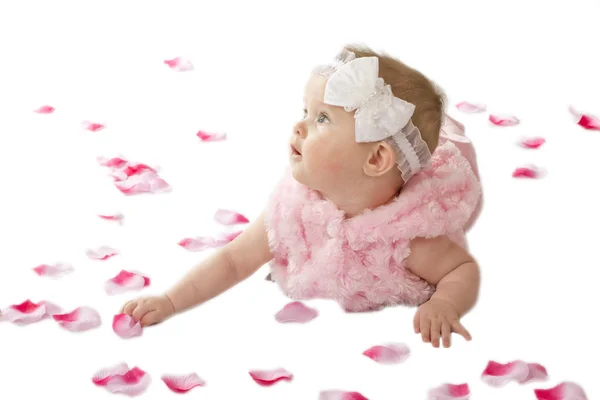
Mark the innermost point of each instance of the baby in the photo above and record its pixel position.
(372, 212)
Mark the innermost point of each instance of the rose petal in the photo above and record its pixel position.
(126, 281)
(44, 110)
(121, 379)
(470, 108)
(211, 137)
(131, 169)
(121, 172)
(449, 391)
(78, 320)
(531, 172)
(201, 243)
(586, 121)
(126, 327)
(393, 353)
(229, 217)
(270, 377)
(28, 312)
(532, 143)
(101, 253)
(182, 383)
(223, 239)
(340, 395)
(197, 244)
(180, 64)
(498, 375)
(507, 120)
(93, 126)
(53, 271)
(114, 162)
(116, 217)
(101, 377)
(296, 312)
(141, 183)
(562, 391)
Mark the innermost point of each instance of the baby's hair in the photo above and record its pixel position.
(410, 85)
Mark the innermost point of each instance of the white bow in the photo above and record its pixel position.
(356, 85)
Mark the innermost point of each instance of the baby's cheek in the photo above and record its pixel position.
(328, 160)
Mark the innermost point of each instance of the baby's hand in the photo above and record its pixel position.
(149, 310)
(437, 318)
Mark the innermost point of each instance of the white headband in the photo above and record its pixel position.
(354, 83)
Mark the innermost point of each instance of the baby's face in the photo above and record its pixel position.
(323, 150)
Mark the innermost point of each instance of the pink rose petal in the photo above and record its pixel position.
(53, 271)
(78, 320)
(28, 312)
(101, 377)
(180, 64)
(296, 312)
(201, 243)
(126, 327)
(498, 375)
(225, 238)
(182, 383)
(121, 379)
(146, 182)
(211, 137)
(536, 372)
(115, 217)
(470, 108)
(532, 143)
(586, 121)
(270, 377)
(563, 391)
(393, 353)
(126, 281)
(131, 169)
(507, 120)
(340, 395)
(101, 253)
(197, 244)
(93, 126)
(530, 172)
(114, 162)
(44, 110)
(229, 217)
(449, 391)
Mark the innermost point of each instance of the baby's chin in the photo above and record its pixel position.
(297, 172)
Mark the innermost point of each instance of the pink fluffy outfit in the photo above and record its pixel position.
(360, 261)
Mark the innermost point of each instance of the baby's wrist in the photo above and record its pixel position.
(168, 298)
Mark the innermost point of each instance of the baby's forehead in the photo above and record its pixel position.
(314, 90)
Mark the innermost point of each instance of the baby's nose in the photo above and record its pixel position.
(299, 129)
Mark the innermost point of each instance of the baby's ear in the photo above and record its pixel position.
(381, 159)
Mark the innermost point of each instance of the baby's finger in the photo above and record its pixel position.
(128, 307)
(139, 312)
(446, 334)
(150, 318)
(425, 329)
(416, 322)
(460, 329)
(435, 332)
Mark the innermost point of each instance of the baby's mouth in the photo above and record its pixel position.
(295, 152)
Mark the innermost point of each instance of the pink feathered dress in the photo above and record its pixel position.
(360, 261)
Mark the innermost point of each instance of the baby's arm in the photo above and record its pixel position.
(223, 270)
(455, 274)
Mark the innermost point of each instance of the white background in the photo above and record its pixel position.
(102, 61)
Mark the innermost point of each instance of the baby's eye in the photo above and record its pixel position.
(323, 118)
(304, 113)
